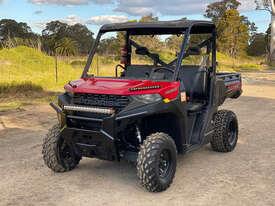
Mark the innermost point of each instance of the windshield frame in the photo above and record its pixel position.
(182, 54)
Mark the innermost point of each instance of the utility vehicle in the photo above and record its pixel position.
(148, 109)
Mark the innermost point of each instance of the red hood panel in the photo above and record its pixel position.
(122, 87)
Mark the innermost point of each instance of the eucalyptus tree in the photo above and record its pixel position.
(269, 5)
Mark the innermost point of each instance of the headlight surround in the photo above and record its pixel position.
(147, 98)
(70, 94)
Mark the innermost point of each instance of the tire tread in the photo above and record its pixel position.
(147, 159)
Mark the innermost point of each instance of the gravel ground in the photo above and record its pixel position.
(243, 177)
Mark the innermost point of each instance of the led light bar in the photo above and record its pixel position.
(144, 88)
(89, 109)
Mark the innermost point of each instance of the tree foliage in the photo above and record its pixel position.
(268, 37)
(66, 47)
(13, 33)
(233, 33)
(10, 29)
(234, 30)
(216, 10)
(174, 43)
(109, 47)
(258, 45)
(149, 41)
(56, 30)
(264, 5)
(82, 36)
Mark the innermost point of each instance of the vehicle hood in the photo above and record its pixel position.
(123, 87)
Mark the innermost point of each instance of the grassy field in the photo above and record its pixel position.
(28, 75)
(23, 64)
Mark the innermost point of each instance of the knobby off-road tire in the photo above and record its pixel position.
(226, 131)
(58, 155)
(157, 161)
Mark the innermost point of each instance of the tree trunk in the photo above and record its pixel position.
(272, 38)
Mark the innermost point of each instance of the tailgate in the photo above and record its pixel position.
(233, 84)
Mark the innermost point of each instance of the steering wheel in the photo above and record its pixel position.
(164, 68)
(160, 68)
(117, 66)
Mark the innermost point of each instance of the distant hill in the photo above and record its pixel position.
(24, 64)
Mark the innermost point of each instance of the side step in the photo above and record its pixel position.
(190, 148)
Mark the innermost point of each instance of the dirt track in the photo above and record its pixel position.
(244, 177)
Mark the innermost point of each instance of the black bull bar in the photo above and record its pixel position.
(99, 143)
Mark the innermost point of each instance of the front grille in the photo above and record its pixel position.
(101, 100)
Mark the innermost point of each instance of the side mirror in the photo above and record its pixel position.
(142, 51)
(193, 51)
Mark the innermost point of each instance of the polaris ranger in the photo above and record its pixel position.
(146, 112)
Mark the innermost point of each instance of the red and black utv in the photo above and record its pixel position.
(150, 109)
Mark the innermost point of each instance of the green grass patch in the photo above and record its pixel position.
(19, 88)
(16, 95)
(6, 106)
(23, 64)
(241, 64)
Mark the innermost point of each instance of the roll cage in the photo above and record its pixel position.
(185, 27)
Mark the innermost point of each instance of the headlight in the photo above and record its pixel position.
(148, 98)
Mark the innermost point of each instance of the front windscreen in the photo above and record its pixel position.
(119, 55)
(152, 57)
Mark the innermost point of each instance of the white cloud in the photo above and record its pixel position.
(72, 20)
(144, 7)
(106, 19)
(69, 2)
(40, 25)
(247, 5)
(175, 7)
(95, 20)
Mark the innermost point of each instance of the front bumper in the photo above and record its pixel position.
(96, 141)
(92, 143)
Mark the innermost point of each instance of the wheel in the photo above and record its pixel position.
(226, 131)
(157, 161)
(58, 155)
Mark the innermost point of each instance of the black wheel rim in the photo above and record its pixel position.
(66, 154)
(232, 132)
(164, 163)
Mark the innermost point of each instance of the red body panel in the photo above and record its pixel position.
(235, 86)
(110, 86)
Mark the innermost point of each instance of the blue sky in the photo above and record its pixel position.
(94, 13)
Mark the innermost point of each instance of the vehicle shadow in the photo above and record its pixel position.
(124, 172)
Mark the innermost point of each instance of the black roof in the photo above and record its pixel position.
(162, 27)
